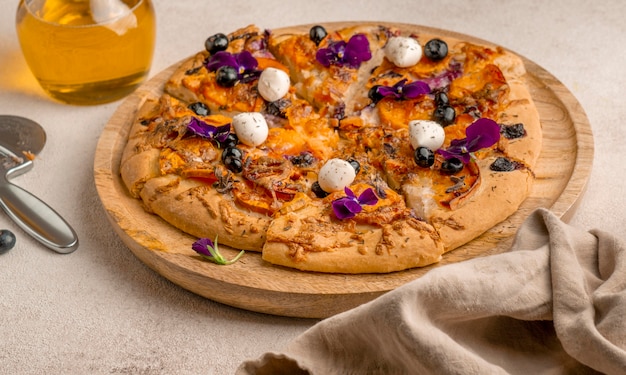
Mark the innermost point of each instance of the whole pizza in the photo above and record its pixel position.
(361, 149)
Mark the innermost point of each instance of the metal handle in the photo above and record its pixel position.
(37, 218)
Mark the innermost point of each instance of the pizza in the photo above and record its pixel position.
(360, 148)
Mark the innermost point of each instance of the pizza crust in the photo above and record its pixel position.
(498, 196)
(201, 211)
(310, 240)
(175, 85)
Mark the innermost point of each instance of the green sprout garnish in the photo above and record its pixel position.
(209, 251)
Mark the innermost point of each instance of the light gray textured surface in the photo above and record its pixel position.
(100, 310)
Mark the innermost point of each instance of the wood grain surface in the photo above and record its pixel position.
(561, 177)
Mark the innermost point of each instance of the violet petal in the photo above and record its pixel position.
(221, 58)
(457, 149)
(357, 51)
(345, 207)
(415, 89)
(368, 197)
(325, 56)
(388, 91)
(349, 193)
(202, 246)
(338, 48)
(246, 61)
(481, 134)
(222, 132)
(202, 129)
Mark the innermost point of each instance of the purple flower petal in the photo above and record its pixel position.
(221, 132)
(389, 91)
(346, 207)
(203, 246)
(481, 134)
(415, 89)
(350, 54)
(220, 59)
(245, 61)
(202, 129)
(402, 90)
(199, 127)
(455, 153)
(349, 193)
(357, 51)
(368, 197)
(324, 56)
(338, 48)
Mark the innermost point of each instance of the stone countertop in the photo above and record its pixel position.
(100, 310)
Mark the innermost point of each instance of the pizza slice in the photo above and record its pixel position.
(226, 76)
(331, 67)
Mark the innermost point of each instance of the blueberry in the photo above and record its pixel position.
(231, 141)
(374, 95)
(452, 166)
(317, 34)
(216, 43)
(355, 164)
(232, 158)
(436, 49)
(233, 164)
(441, 99)
(513, 131)
(226, 76)
(199, 109)
(232, 152)
(424, 157)
(278, 107)
(318, 191)
(7, 240)
(445, 115)
(305, 159)
(502, 164)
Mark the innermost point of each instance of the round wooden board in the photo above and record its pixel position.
(561, 177)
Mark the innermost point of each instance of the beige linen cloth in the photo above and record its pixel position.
(554, 304)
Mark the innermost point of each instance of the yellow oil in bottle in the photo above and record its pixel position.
(87, 51)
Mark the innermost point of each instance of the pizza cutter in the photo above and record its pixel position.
(20, 140)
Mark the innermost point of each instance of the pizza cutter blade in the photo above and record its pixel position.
(20, 140)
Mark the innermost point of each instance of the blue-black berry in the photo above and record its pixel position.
(317, 34)
(424, 157)
(226, 76)
(232, 157)
(216, 43)
(444, 115)
(436, 49)
(199, 109)
(318, 191)
(452, 165)
(7, 240)
(355, 164)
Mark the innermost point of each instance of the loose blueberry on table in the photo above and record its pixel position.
(7, 240)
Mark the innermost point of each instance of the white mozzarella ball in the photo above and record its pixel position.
(426, 133)
(273, 84)
(403, 51)
(335, 175)
(251, 128)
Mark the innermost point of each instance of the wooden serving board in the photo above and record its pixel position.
(561, 177)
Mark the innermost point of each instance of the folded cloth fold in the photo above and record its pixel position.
(554, 304)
